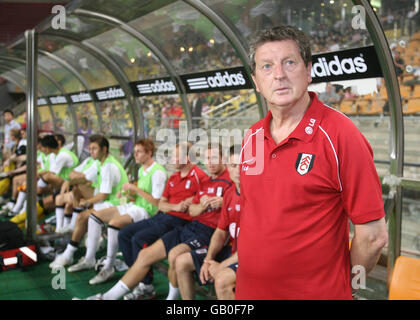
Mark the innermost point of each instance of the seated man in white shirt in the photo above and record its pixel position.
(145, 195)
(110, 181)
(81, 185)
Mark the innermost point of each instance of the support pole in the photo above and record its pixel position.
(31, 131)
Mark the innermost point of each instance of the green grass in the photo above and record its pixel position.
(36, 283)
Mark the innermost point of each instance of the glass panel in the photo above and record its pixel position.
(410, 239)
(92, 70)
(85, 28)
(402, 29)
(63, 118)
(65, 78)
(189, 39)
(121, 149)
(45, 118)
(116, 119)
(411, 146)
(161, 112)
(224, 110)
(328, 22)
(87, 123)
(131, 55)
(87, 119)
(124, 10)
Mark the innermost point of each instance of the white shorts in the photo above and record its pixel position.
(135, 212)
(102, 205)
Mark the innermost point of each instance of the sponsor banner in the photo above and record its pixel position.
(108, 93)
(217, 80)
(79, 97)
(42, 101)
(153, 87)
(58, 99)
(359, 63)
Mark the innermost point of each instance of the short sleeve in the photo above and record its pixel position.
(361, 188)
(158, 183)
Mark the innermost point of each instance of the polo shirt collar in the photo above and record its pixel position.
(189, 174)
(307, 127)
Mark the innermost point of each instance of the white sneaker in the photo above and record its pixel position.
(141, 292)
(81, 265)
(102, 276)
(97, 296)
(64, 230)
(60, 261)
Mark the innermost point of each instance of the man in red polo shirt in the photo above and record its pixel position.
(306, 169)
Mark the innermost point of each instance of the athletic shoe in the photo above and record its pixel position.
(81, 265)
(60, 261)
(102, 276)
(97, 296)
(141, 292)
(66, 229)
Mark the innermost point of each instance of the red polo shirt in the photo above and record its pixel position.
(212, 188)
(294, 234)
(180, 188)
(230, 215)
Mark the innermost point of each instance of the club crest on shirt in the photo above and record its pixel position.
(304, 163)
(188, 184)
(219, 191)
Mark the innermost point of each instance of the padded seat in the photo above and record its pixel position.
(405, 280)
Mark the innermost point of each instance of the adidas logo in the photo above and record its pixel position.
(58, 100)
(112, 93)
(156, 87)
(324, 68)
(80, 97)
(217, 81)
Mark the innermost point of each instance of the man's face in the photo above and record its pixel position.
(280, 73)
(214, 161)
(234, 168)
(8, 117)
(140, 154)
(95, 150)
(179, 158)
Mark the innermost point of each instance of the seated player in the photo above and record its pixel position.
(218, 263)
(82, 181)
(151, 182)
(110, 181)
(180, 189)
(205, 209)
(65, 161)
(12, 162)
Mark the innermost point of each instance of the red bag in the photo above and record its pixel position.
(19, 257)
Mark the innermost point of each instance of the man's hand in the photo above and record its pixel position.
(216, 202)
(84, 203)
(181, 206)
(205, 274)
(65, 187)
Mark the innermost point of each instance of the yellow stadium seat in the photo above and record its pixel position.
(377, 105)
(383, 93)
(416, 92)
(405, 91)
(346, 106)
(413, 106)
(362, 106)
(405, 280)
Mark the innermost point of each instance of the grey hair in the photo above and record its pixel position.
(281, 33)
